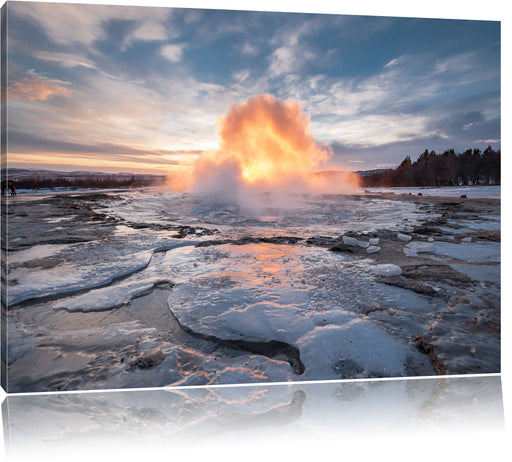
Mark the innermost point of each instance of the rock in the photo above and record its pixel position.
(148, 359)
(372, 249)
(374, 241)
(403, 237)
(340, 247)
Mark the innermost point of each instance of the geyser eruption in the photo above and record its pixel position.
(265, 146)
(271, 141)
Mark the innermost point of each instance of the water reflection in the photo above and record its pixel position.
(172, 421)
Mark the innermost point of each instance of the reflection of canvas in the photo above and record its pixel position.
(201, 420)
(201, 197)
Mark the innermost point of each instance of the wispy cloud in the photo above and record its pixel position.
(66, 59)
(35, 87)
(83, 24)
(249, 48)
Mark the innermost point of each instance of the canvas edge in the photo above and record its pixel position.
(3, 206)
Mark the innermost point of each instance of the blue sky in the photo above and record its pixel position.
(140, 89)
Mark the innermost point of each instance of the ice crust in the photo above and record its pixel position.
(336, 308)
(387, 269)
(111, 297)
(256, 293)
(70, 277)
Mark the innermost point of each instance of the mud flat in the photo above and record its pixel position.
(133, 289)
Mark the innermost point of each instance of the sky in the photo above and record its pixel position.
(141, 89)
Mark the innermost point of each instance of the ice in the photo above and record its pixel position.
(71, 277)
(469, 251)
(347, 240)
(413, 248)
(387, 269)
(264, 293)
(353, 350)
(36, 252)
(487, 273)
(446, 191)
(348, 314)
(112, 296)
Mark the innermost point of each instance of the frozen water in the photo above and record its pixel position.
(403, 237)
(349, 240)
(445, 191)
(412, 249)
(112, 296)
(387, 269)
(192, 291)
(469, 251)
(37, 252)
(69, 277)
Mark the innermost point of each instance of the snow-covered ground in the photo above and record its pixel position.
(445, 191)
(152, 288)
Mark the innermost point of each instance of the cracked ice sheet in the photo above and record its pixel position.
(25, 283)
(113, 296)
(102, 357)
(36, 252)
(261, 292)
(86, 265)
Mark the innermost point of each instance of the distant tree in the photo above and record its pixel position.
(447, 169)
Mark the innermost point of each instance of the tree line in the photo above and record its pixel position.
(471, 167)
(79, 183)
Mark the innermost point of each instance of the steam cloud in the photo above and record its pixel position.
(265, 146)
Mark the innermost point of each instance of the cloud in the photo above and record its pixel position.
(68, 24)
(249, 49)
(458, 63)
(492, 141)
(242, 75)
(172, 52)
(291, 47)
(282, 61)
(35, 87)
(66, 59)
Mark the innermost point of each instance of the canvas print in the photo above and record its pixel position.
(202, 197)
